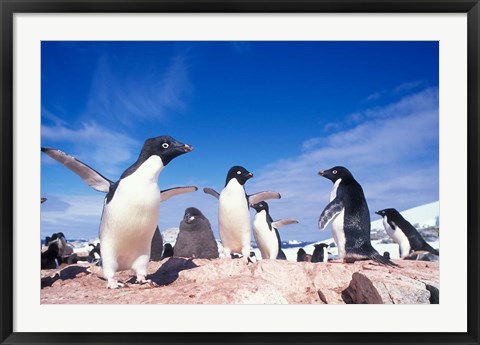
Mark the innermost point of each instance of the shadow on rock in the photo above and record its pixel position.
(69, 272)
(168, 272)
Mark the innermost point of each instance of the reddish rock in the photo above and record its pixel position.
(224, 281)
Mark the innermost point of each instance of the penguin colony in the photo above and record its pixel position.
(129, 234)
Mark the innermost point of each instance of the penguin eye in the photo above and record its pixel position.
(334, 172)
(165, 145)
(239, 172)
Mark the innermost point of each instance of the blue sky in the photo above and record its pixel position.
(283, 110)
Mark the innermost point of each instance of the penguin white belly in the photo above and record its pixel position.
(264, 237)
(337, 224)
(325, 254)
(234, 218)
(398, 237)
(339, 234)
(130, 218)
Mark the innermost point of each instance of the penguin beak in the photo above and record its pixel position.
(188, 218)
(378, 212)
(321, 173)
(187, 148)
(250, 175)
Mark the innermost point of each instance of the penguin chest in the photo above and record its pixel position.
(398, 237)
(130, 218)
(233, 216)
(337, 223)
(265, 238)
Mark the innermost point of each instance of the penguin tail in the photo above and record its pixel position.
(375, 256)
(367, 252)
(433, 250)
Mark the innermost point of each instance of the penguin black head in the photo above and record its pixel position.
(388, 212)
(336, 173)
(321, 245)
(166, 147)
(52, 251)
(167, 251)
(191, 214)
(301, 254)
(260, 206)
(252, 258)
(239, 173)
(386, 255)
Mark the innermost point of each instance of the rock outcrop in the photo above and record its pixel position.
(223, 281)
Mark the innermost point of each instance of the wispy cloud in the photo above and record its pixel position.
(139, 92)
(402, 89)
(411, 103)
(78, 215)
(106, 151)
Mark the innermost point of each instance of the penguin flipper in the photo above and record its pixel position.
(212, 192)
(282, 222)
(330, 212)
(92, 177)
(168, 193)
(262, 196)
(392, 224)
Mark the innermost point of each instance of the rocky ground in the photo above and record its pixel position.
(223, 281)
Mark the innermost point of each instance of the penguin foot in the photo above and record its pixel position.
(113, 284)
(142, 280)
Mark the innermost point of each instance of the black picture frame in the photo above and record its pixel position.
(10, 7)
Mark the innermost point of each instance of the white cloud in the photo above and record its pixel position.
(80, 215)
(107, 151)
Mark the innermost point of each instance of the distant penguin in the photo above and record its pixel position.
(42, 200)
(252, 258)
(301, 255)
(404, 233)
(167, 251)
(195, 238)
(156, 249)
(94, 254)
(233, 211)
(64, 248)
(131, 208)
(265, 232)
(348, 212)
(320, 253)
(386, 255)
(49, 258)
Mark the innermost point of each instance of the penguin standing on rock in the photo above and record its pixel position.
(404, 233)
(320, 253)
(132, 205)
(266, 234)
(233, 211)
(348, 212)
